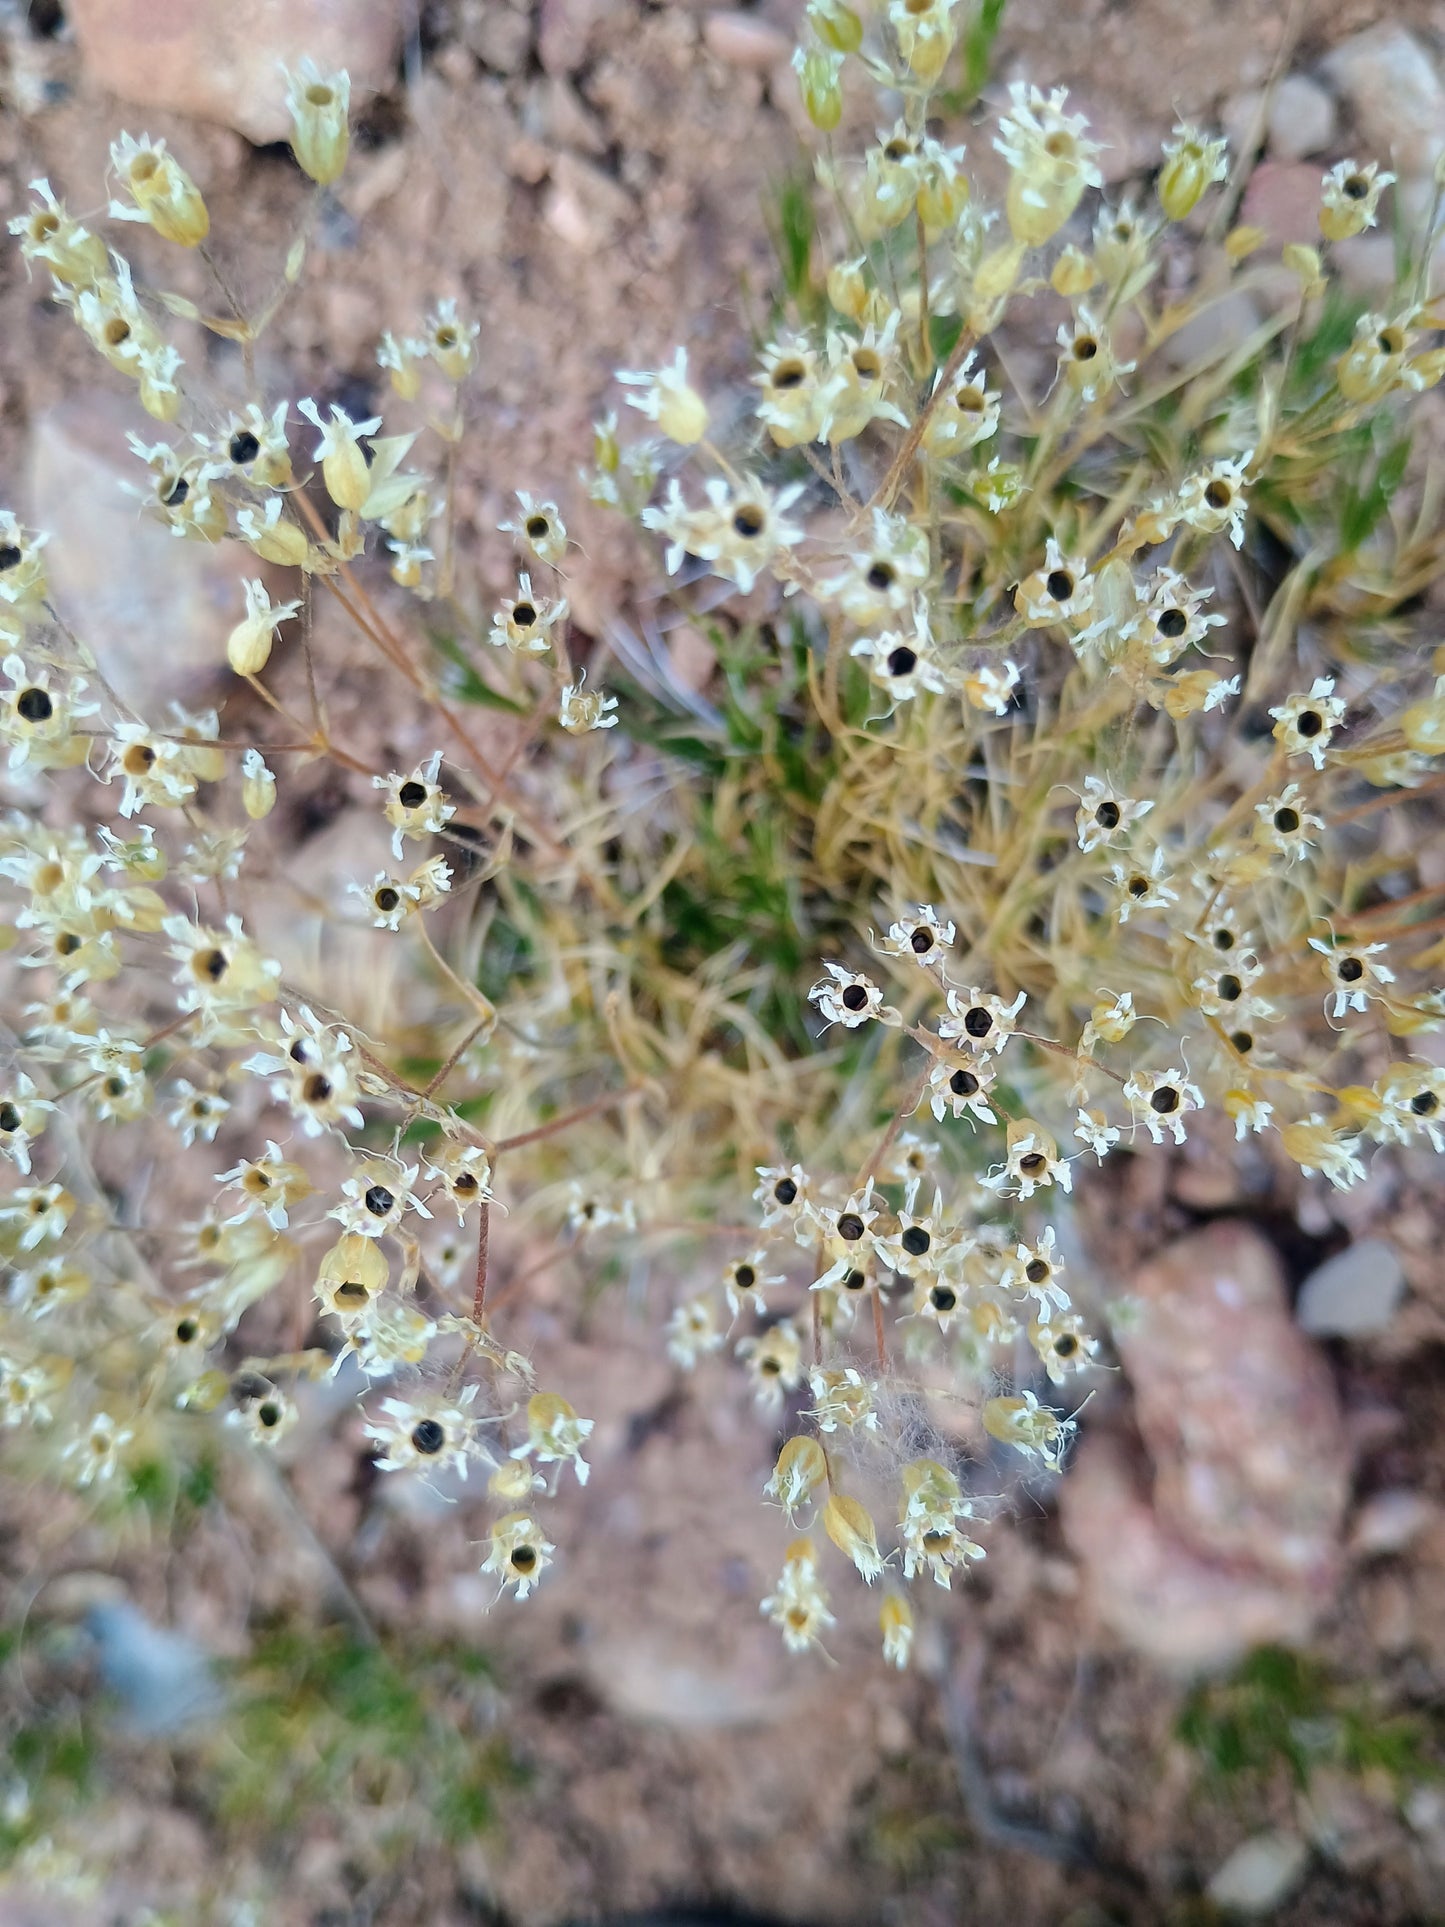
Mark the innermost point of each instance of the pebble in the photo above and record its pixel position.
(500, 35)
(1225, 324)
(1356, 1292)
(1302, 119)
(222, 63)
(1230, 1536)
(566, 30)
(1389, 81)
(155, 610)
(1283, 198)
(743, 40)
(1388, 1523)
(585, 208)
(1260, 1873)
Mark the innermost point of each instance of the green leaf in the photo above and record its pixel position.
(468, 685)
(978, 41)
(1365, 504)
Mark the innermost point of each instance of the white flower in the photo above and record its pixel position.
(416, 805)
(425, 1433)
(668, 399)
(924, 938)
(1305, 723)
(980, 1021)
(96, 1454)
(578, 712)
(691, 1333)
(555, 1434)
(1105, 815)
(1214, 498)
(849, 998)
(519, 1554)
(1354, 977)
(1160, 1100)
(539, 527)
(377, 1196)
(739, 532)
(1142, 889)
(1094, 1131)
(956, 1088)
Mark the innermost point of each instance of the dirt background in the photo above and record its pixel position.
(591, 180)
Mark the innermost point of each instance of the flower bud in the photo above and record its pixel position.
(344, 467)
(848, 288)
(351, 1274)
(801, 1468)
(270, 537)
(1192, 164)
(1423, 724)
(258, 786)
(668, 399)
(1304, 262)
(818, 71)
(403, 361)
(1073, 273)
(942, 188)
(848, 1525)
(318, 105)
(895, 1622)
(836, 25)
(926, 35)
(248, 647)
(164, 193)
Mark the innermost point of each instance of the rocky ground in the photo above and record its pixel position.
(1267, 1463)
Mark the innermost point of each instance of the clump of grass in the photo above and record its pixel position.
(1030, 811)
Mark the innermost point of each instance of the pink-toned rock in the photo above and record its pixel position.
(1283, 198)
(743, 40)
(1239, 1540)
(221, 60)
(565, 32)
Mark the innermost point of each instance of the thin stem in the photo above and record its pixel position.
(564, 1123)
(484, 1238)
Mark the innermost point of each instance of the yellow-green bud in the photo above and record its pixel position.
(836, 26)
(1073, 273)
(1423, 724)
(258, 786)
(1192, 163)
(818, 70)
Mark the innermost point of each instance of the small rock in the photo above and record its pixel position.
(500, 35)
(1249, 1461)
(155, 610)
(1357, 1291)
(1302, 119)
(1260, 1873)
(565, 32)
(1221, 326)
(1186, 1613)
(743, 40)
(1389, 80)
(1243, 120)
(1283, 198)
(584, 207)
(1389, 1523)
(221, 62)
